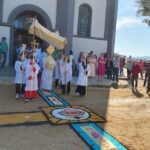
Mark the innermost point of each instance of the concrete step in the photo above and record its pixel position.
(9, 80)
(7, 76)
(8, 71)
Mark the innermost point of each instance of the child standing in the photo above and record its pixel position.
(60, 62)
(31, 87)
(82, 82)
(20, 77)
(66, 75)
(56, 74)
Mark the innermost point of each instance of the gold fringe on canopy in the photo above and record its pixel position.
(52, 38)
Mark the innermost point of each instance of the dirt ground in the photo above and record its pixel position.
(127, 113)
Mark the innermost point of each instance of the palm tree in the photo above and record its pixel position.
(144, 10)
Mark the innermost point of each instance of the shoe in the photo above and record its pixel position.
(17, 96)
(77, 94)
(22, 96)
(27, 100)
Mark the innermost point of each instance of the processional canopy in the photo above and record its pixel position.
(43, 33)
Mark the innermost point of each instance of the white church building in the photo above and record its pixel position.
(87, 24)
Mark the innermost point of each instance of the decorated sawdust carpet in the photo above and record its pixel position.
(22, 118)
(96, 138)
(70, 114)
(81, 119)
(52, 99)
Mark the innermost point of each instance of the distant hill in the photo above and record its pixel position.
(143, 57)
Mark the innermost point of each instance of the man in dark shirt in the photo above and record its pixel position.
(109, 68)
(135, 71)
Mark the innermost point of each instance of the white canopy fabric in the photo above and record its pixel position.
(52, 38)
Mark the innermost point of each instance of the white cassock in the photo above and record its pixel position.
(60, 62)
(47, 74)
(83, 78)
(56, 70)
(20, 72)
(71, 58)
(66, 77)
(26, 61)
(31, 85)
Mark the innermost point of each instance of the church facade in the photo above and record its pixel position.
(87, 24)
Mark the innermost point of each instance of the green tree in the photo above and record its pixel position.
(144, 10)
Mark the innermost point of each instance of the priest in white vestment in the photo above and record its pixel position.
(48, 67)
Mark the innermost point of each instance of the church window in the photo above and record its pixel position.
(84, 21)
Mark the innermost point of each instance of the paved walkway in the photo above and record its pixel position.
(7, 77)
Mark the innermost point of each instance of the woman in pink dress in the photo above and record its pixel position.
(101, 67)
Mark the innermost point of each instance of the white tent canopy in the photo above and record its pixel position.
(52, 38)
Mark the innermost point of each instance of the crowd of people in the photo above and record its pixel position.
(39, 69)
(136, 67)
(35, 70)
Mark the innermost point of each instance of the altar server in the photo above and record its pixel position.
(66, 75)
(56, 74)
(82, 82)
(20, 76)
(32, 69)
(60, 63)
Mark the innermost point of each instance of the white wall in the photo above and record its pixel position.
(98, 16)
(49, 6)
(5, 32)
(86, 45)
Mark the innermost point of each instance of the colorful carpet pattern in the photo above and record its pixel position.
(96, 138)
(52, 99)
(22, 118)
(81, 119)
(70, 114)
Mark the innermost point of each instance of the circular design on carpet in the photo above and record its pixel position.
(70, 114)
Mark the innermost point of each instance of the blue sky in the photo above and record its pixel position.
(132, 36)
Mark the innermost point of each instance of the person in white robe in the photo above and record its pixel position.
(48, 67)
(60, 62)
(66, 75)
(32, 70)
(20, 77)
(39, 55)
(56, 74)
(82, 81)
(71, 56)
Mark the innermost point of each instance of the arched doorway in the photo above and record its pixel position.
(18, 19)
(21, 25)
